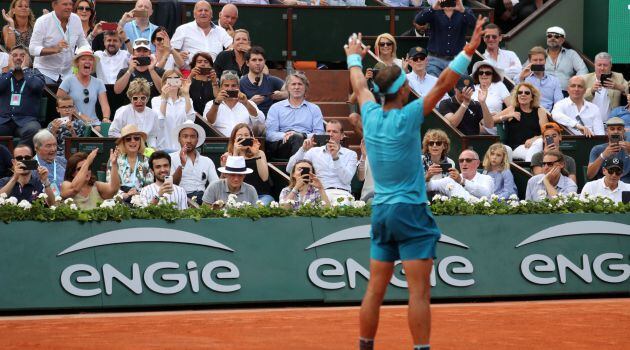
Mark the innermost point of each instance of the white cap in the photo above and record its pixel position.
(556, 30)
(141, 42)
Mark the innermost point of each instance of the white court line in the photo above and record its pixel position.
(499, 304)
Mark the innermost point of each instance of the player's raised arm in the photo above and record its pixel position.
(355, 52)
(457, 67)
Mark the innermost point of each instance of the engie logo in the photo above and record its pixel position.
(75, 279)
(330, 268)
(542, 269)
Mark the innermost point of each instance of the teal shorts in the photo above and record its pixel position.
(403, 231)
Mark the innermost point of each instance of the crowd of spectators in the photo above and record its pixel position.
(212, 73)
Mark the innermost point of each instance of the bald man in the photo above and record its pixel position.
(228, 17)
(577, 114)
(201, 35)
(136, 22)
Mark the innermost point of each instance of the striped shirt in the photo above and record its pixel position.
(178, 196)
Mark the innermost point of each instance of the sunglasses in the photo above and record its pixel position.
(486, 72)
(419, 58)
(549, 164)
(136, 98)
(467, 160)
(490, 36)
(86, 92)
(21, 158)
(524, 92)
(84, 8)
(385, 43)
(550, 35)
(132, 138)
(435, 143)
(612, 170)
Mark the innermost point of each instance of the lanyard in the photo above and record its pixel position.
(65, 34)
(21, 90)
(54, 169)
(135, 30)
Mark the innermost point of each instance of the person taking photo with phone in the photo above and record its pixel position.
(552, 136)
(68, 124)
(304, 187)
(141, 66)
(335, 164)
(204, 84)
(604, 87)
(136, 22)
(534, 73)
(163, 187)
(617, 146)
(23, 184)
(231, 107)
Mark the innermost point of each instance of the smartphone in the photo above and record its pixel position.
(109, 26)
(140, 13)
(169, 179)
(64, 120)
(30, 164)
(615, 138)
(232, 93)
(548, 140)
(205, 70)
(248, 142)
(537, 68)
(605, 76)
(305, 171)
(445, 167)
(174, 82)
(321, 140)
(448, 3)
(143, 61)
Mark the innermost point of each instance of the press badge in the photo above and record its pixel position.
(16, 100)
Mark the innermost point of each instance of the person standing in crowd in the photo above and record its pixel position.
(86, 12)
(138, 113)
(233, 183)
(262, 89)
(173, 107)
(604, 87)
(113, 59)
(160, 164)
(535, 74)
(167, 58)
(235, 60)
(505, 60)
(23, 184)
(204, 84)
(141, 66)
(20, 22)
(497, 165)
(68, 124)
(552, 181)
(561, 62)
(304, 187)
(133, 166)
(46, 155)
(136, 22)
(55, 37)
(608, 186)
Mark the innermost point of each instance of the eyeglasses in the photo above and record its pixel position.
(490, 36)
(132, 138)
(524, 92)
(418, 58)
(549, 164)
(467, 160)
(385, 43)
(84, 8)
(435, 143)
(615, 171)
(136, 98)
(66, 107)
(553, 35)
(486, 72)
(21, 158)
(86, 92)
(159, 39)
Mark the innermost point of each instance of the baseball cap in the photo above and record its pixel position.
(141, 42)
(613, 161)
(556, 30)
(615, 121)
(416, 51)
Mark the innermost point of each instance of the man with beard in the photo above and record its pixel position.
(160, 164)
(189, 168)
(113, 59)
(561, 62)
(262, 89)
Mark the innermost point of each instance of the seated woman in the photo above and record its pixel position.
(204, 82)
(490, 91)
(435, 147)
(166, 57)
(385, 48)
(303, 187)
(133, 166)
(81, 185)
(242, 143)
(138, 113)
(85, 89)
(173, 107)
(523, 121)
(497, 165)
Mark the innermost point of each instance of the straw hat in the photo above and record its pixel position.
(130, 129)
(83, 51)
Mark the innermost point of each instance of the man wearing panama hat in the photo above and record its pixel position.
(189, 168)
(234, 171)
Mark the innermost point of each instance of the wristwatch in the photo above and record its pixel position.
(214, 102)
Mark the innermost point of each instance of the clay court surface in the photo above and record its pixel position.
(568, 324)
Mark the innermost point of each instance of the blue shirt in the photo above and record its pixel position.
(267, 86)
(28, 110)
(504, 185)
(447, 36)
(394, 149)
(307, 118)
(76, 90)
(56, 170)
(28, 192)
(133, 32)
(623, 113)
(597, 150)
(549, 87)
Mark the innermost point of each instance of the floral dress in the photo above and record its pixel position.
(137, 177)
(312, 196)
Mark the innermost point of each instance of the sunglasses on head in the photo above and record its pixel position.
(86, 92)
(21, 158)
(467, 160)
(490, 36)
(524, 92)
(385, 43)
(418, 58)
(486, 72)
(84, 8)
(553, 35)
(141, 42)
(136, 98)
(614, 170)
(435, 143)
(132, 138)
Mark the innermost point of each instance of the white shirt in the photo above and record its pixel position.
(4, 60)
(565, 112)
(175, 115)
(47, 32)
(178, 196)
(146, 121)
(508, 61)
(108, 66)
(479, 186)
(227, 117)
(422, 86)
(189, 37)
(332, 173)
(194, 175)
(497, 92)
(601, 100)
(599, 188)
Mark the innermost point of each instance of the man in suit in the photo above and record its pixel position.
(605, 93)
